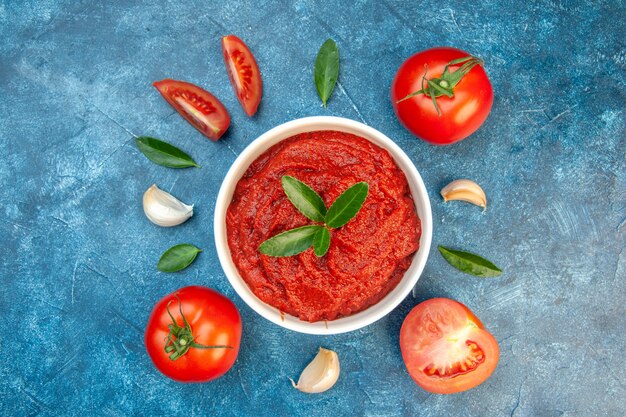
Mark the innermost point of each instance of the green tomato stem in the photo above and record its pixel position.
(444, 85)
(180, 338)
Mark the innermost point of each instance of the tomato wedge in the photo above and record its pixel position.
(445, 347)
(199, 107)
(243, 72)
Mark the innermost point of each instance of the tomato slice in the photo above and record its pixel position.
(445, 347)
(243, 72)
(199, 107)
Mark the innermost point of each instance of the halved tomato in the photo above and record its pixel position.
(199, 107)
(243, 72)
(445, 347)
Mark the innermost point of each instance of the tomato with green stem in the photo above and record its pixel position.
(199, 107)
(193, 334)
(446, 348)
(442, 95)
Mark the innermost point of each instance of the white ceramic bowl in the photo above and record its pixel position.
(422, 204)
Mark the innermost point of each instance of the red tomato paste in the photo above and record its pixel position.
(367, 257)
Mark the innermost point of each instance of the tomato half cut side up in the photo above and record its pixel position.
(243, 72)
(199, 107)
(445, 347)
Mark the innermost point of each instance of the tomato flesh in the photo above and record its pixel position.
(243, 72)
(199, 107)
(460, 115)
(214, 320)
(446, 348)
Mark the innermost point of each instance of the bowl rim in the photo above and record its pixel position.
(420, 197)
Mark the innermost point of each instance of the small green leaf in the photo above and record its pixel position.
(304, 198)
(470, 263)
(178, 258)
(326, 69)
(290, 242)
(347, 205)
(321, 242)
(163, 153)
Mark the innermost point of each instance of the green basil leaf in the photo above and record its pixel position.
(321, 242)
(470, 263)
(163, 153)
(177, 258)
(304, 198)
(290, 242)
(326, 69)
(347, 205)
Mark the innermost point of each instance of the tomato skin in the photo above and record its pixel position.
(243, 72)
(445, 347)
(461, 115)
(199, 107)
(214, 320)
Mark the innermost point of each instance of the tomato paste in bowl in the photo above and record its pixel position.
(370, 265)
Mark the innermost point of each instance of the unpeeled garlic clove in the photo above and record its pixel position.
(465, 190)
(321, 374)
(163, 209)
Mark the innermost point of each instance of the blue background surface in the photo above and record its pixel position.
(78, 255)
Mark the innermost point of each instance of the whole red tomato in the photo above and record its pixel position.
(445, 347)
(193, 334)
(454, 95)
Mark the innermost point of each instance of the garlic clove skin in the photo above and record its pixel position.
(163, 209)
(319, 375)
(465, 190)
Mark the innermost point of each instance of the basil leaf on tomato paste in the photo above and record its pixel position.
(321, 242)
(307, 201)
(347, 205)
(291, 242)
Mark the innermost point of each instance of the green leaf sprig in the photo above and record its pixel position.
(470, 263)
(164, 154)
(309, 203)
(178, 258)
(444, 85)
(326, 69)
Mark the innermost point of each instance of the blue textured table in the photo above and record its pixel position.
(78, 255)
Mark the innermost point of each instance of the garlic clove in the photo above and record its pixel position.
(319, 375)
(465, 190)
(163, 209)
